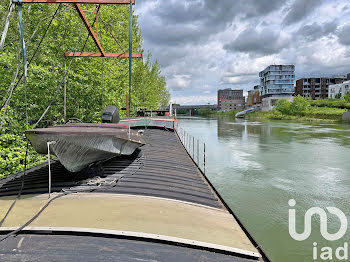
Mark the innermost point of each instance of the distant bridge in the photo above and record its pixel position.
(193, 109)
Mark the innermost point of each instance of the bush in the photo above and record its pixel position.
(205, 112)
(275, 114)
(325, 112)
(283, 106)
(299, 105)
(297, 108)
(335, 103)
(347, 97)
(13, 146)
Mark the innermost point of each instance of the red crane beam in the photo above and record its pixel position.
(125, 2)
(87, 54)
(88, 27)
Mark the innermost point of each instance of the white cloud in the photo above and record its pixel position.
(188, 39)
(179, 82)
(194, 100)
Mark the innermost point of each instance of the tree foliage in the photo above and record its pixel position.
(92, 83)
(298, 107)
(347, 97)
(302, 107)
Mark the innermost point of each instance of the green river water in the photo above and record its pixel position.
(258, 167)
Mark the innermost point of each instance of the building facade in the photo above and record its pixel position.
(316, 88)
(277, 80)
(229, 99)
(339, 90)
(254, 98)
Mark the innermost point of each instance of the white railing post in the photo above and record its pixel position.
(198, 154)
(204, 158)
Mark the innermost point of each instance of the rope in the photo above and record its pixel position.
(33, 218)
(94, 184)
(98, 181)
(25, 160)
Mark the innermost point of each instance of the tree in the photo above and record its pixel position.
(299, 105)
(92, 83)
(347, 97)
(284, 106)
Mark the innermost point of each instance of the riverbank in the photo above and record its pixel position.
(314, 114)
(301, 109)
(328, 115)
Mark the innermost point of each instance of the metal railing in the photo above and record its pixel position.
(194, 147)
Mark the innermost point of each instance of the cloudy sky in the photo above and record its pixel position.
(206, 45)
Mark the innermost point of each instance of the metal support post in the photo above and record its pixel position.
(49, 161)
(193, 147)
(65, 91)
(130, 52)
(197, 152)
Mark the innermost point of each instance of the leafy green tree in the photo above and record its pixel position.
(92, 83)
(299, 105)
(284, 106)
(347, 97)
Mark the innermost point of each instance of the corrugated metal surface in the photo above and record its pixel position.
(89, 248)
(161, 168)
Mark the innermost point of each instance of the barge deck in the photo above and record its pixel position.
(133, 207)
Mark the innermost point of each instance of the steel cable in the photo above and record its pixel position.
(35, 52)
(94, 185)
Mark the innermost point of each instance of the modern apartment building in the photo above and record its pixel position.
(277, 80)
(254, 97)
(339, 90)
(317, 87)
(229, 99)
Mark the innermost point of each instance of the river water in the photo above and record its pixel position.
(258, 167)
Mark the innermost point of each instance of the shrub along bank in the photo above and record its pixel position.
(304, 109)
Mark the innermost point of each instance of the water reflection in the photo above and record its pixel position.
(279, 132)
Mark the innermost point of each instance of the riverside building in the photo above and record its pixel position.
(254, 98)
(277, 80)
(317, 87)
(339, 90)
(229, 99)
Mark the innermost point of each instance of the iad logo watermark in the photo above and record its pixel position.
(326, 253)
